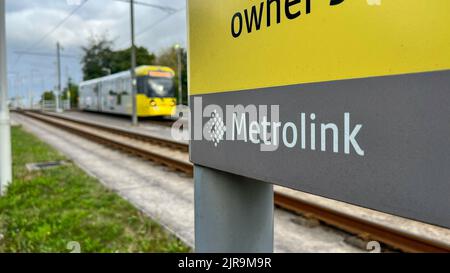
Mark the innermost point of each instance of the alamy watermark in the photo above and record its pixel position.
(74, 247)
(261, 125)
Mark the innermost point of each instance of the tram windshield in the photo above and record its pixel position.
(156, 87)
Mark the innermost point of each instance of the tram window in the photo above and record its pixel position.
(141, 87)
(125, 85)
(121, 85)
(155, 87)
(160, 87)
(119, 99)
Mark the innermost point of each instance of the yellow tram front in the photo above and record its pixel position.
(155, 91)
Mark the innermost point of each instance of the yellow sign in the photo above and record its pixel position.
(245, 44)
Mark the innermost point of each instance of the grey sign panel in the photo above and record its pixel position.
(381, 143)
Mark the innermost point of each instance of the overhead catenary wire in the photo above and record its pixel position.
(44, 54)
(55, 28)
(166, 9)
(170, 11)
(156, 23)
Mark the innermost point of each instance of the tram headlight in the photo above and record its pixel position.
(153, 103)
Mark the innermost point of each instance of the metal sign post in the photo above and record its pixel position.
(5, 134)
(232, 213)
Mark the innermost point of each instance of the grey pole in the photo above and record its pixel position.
(134, 118)
(58, 64)
(180, 78)
(5, 130)
(232, 213)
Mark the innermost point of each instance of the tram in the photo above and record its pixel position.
(155, 94)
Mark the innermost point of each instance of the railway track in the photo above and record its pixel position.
(147, 121)
(134, 135)
(170, 153)
(174, 155)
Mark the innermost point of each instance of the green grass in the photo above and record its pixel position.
(44, 211)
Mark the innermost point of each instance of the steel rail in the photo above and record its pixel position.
(365, 229)
(135, 135)
(172, 163)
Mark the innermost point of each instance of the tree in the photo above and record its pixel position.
(168, 57)
(73, 89)
(48, 96)
(100, 59)
(97, 58)
(121, 60)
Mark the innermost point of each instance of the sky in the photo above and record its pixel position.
(30, 25)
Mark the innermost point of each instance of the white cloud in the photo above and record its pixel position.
(29, 20)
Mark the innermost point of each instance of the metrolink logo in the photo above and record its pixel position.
(251, 124)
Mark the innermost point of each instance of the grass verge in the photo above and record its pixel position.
(44, 211)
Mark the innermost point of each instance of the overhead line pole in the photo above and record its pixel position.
(180, 69)
(5, 130)
(134, 119)
(59, 87)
